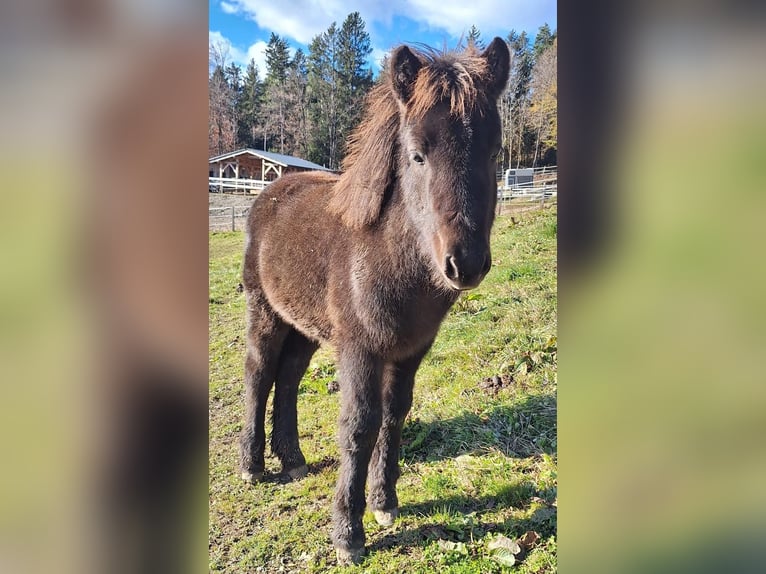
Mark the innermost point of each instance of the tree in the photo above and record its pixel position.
(250, 110)
(544, 95)
(296, 116)
(354, 73)
(474, 38)
(339, 78)
(514, 103)
(277, 59)
(543, 40)
(222, 125)
(275, 108)
(233, 75)
(323, 96)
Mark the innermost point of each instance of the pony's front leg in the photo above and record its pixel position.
(398, 381)
(360, 416)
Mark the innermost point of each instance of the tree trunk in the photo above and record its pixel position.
(537, 141)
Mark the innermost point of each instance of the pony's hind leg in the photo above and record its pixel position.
(293, 362)
(265, 334)
(398, 381)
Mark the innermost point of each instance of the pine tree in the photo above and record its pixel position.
(474, 38)
(275, 107)
(355, 75)
(296, 116)
(277, 59)
(323, 87)
(339, 77)
(250, 107)
(543, 40)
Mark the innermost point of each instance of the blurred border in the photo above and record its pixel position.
(103, 289)
(104, 250)
(661, 395)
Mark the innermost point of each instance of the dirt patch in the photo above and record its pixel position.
(229, 199)
(322, 465)
(495, 384)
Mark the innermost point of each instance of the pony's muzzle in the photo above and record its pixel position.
(466, 272)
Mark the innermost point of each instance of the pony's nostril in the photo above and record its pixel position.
(450, 268)
(487, 264)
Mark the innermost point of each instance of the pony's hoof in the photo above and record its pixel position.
(348, 557)
(251, 477)
(298, 472)
(386, 517)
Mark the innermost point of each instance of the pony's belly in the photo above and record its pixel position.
(302, 320)
(299, 300)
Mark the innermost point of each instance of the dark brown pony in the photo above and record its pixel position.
(371, 262)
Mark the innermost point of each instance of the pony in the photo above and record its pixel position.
(369, 262)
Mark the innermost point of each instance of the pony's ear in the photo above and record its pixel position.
(499, 59)
(404, 69)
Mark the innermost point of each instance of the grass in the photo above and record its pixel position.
(479, 447)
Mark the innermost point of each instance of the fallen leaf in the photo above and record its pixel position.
(505, 543)
(529, 539)
(504, 557)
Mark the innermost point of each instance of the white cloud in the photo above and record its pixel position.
(377, 56)
(258, 53)
(238, 55)
(227, 8)
(301, 20)
(221, 42)
(490, 16)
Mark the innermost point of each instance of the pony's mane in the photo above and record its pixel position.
(455, 78)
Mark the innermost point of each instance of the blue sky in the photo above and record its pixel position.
(244, 26)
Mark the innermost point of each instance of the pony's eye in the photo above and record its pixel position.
(496, 155)
(417, 157)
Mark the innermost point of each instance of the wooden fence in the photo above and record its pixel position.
(229, 218)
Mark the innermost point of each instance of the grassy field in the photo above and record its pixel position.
(479, 447)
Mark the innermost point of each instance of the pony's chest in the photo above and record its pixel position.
(402, 319)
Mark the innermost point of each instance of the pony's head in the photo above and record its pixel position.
(449, 141)
(432, 126)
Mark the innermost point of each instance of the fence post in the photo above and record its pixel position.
(232, 219)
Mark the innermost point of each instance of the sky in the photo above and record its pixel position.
(244, 26)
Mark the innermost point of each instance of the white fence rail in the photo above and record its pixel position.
(542, 188)
(224, 184)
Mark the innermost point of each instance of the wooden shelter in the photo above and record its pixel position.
(250, 170)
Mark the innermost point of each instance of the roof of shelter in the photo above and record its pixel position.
(282, 159)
